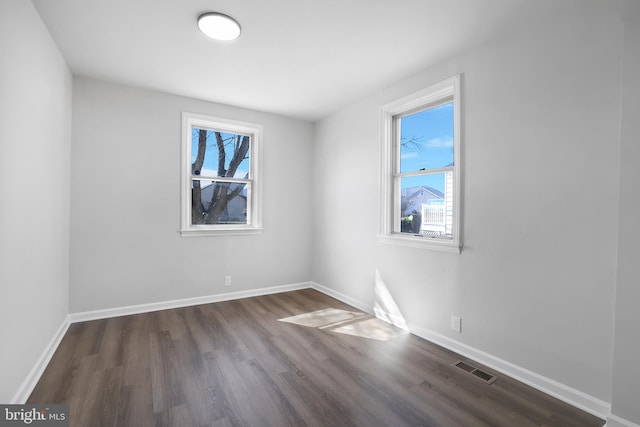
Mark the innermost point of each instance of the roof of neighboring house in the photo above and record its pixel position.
(416, 196)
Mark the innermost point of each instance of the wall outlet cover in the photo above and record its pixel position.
(456, 324)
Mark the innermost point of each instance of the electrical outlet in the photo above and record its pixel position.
(227, 280)
(456, 324)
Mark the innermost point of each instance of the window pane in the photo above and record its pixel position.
(426, 204)
(219, 154)
(214, 202)
(426, 139)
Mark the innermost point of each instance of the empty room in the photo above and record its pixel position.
(323, 213)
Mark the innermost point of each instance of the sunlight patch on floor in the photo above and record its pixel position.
(371, 328)
(323, 318)
(347, 322)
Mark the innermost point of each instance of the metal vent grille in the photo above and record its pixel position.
(464, 366)
(478, 373)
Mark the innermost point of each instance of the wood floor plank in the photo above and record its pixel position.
(219, 394)
(243, 403)
(111, 350)
(135, 407)
(102, 400)
(165, 372)
(275, 407)
(90, 337)
(200, 329)
(235, 364)
(326, 410)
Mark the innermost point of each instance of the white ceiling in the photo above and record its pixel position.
(301, 58)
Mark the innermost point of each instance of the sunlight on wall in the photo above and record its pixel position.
(384, 307)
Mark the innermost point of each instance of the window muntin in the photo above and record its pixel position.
(220, 193)
(420, 181)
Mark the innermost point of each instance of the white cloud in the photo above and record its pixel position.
(410, 155)
(440, 143)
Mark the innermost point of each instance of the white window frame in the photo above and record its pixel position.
(254, 199)
(448, 89)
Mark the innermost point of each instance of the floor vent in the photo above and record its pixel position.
(478, 373)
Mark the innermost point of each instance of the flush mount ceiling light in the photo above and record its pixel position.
(219, 26)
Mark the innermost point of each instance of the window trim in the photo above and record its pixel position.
(432, 95)
(254, 207)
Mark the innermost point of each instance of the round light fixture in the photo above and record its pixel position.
(219, 26)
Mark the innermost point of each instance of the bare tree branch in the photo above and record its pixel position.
(221, 154)
(196, 166)
(414, 143)
(239, 154)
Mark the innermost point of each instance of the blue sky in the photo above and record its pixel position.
(432, 133)
(210, 166)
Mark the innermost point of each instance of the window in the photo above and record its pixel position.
(220, 181)
(420, 195)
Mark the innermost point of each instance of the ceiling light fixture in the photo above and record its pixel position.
(219, 26)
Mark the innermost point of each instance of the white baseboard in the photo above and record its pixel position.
(186, 302)
(29, 383)
(615, 421)
(341, 297)
(577, 398)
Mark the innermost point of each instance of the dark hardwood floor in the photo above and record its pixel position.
(234, 364)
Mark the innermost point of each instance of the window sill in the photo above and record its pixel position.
(421, 243)
(220, 232)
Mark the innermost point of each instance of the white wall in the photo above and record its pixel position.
(35, 126)
(125, 203)
(535, 282)
(626, 369)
